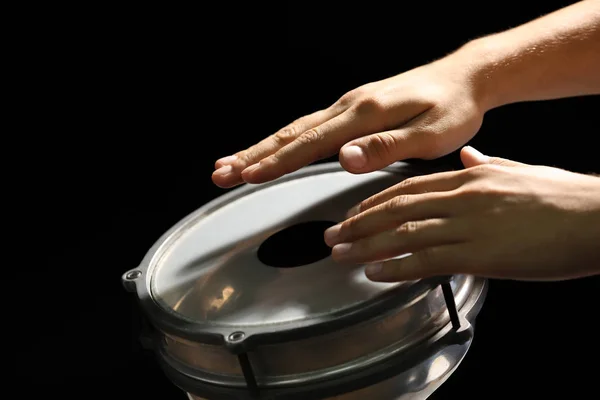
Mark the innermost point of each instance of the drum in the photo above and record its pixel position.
(243, 300)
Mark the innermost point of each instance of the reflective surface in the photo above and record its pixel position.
(210, 271)
(207, 275)
(327, 355)
(417, 383)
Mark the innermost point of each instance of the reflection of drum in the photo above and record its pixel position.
(245, 303)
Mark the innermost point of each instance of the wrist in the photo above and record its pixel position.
(486, 61)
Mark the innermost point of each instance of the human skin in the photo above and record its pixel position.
(496, 218)
(434, 109)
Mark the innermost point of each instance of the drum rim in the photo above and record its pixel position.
(170, 322)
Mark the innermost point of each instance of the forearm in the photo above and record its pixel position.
(555, 56)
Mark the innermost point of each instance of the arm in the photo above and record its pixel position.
(434, 109)
(554, 56)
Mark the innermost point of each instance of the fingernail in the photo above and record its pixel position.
(227, 160)
(342, 248)
(251, 169)
(332, 233)
(223, 170)
(373, 269)
(482, 157)
(354, 156)
(353, 211)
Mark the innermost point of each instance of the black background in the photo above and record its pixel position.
(123, 111)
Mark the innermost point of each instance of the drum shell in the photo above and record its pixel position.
(410, 317)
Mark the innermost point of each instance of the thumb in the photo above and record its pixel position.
(472, 158)
(376, 151)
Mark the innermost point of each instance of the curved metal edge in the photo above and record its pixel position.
(170, 322)
(380, 307)
(334, 387)
(353, 381)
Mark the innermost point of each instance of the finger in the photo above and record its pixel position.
(395, 212)
(432, 261)
(281, 137)
(320, 142)
(472, 158)
(409, 237)
(228, 169)
(376, 151)
(221, 162)
(437, 182)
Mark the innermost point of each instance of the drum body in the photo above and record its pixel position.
(243, 300)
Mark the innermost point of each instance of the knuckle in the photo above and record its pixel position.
(409, 182)
(396, 204)
(363, 206)
(350, 97)
(479, 176)
(477, 171)
(481, 171)
(407, 228)
(382, 146)
(369, 104)
(286, 135)
(375, 201)
(346, 100)
(311, 136)
(244, 159)
(480, 191)
(497, 161)
(368, 203)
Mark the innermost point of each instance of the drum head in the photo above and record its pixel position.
(257, 256)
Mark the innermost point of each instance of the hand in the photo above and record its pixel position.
(496, 218)
(424, 113)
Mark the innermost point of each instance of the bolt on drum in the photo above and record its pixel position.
(243, 301)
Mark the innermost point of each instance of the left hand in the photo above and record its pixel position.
(496, 218)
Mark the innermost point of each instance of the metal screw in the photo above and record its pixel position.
(236, 336)
(133, 275)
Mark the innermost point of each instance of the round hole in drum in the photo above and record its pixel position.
(296, 245)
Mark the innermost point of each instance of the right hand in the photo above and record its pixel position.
(496, 218)
(424, 113)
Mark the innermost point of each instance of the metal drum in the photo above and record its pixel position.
(243, 300)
